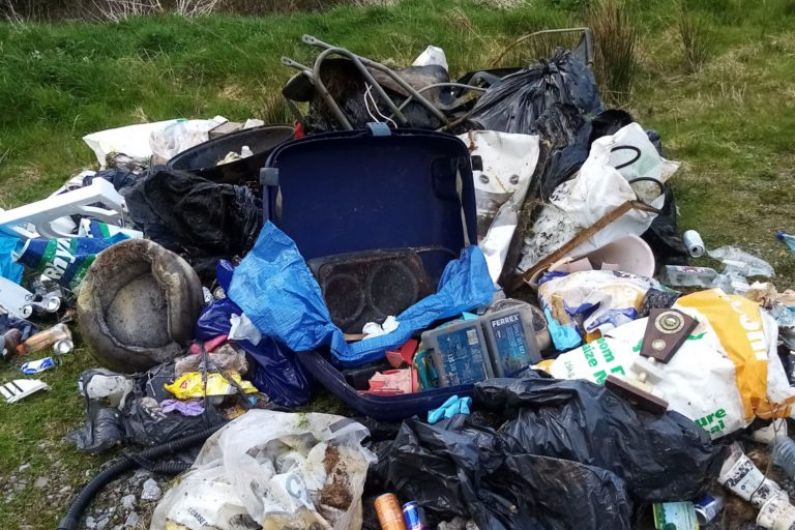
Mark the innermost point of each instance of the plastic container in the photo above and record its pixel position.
(510, 336)
(694, 244)
(685, 276)
(460, 352)
(202, 160)
(630, 253)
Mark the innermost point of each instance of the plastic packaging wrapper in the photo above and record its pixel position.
(25, 327)
(198, 219)
(132, 140)
(273, 368)
(186, 408)
(92, 228)
(725, 374)
(120, 178)
(221, 359)
(508, 162)
(168, 141)
(277, 291)
(594, 300)
(193, 385)
(601, 185)
(787, 239)
(780, 305)
(742, 263)
(241, 328)
(431, 55)
(65, 260)
(547, 456)
(519, 99)
(277, 470)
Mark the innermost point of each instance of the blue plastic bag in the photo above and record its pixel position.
(8, 267)
(274, 370)
(277, 291)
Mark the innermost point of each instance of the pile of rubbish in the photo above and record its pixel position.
(486, 270)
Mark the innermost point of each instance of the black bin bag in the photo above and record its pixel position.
(468, 473)
(517, 101)
(661, 457)
(545, 453)
(200, 220)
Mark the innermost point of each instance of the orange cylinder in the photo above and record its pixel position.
(390, 516)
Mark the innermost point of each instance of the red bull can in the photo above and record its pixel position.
(414, 516)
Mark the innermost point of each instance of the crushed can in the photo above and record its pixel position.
(37, 366)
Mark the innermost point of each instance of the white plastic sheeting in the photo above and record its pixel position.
(508, 163)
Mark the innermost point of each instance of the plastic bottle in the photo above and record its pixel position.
(784, 455)
(694, 243)
(788, 239)
(684, 276)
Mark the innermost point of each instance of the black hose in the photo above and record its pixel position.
(87, 494)
(170, 468)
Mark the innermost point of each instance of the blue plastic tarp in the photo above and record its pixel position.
(275, 288)
(273, 369)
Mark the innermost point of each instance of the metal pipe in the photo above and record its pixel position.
(365, 73)
(321, 89)
(439, 85)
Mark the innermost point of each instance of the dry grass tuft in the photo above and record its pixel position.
(695, 37)
(615, 41)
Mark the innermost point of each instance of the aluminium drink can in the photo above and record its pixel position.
(414, 517)
(708, 508)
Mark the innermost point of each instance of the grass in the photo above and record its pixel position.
(731, 122)
(615, 39)
(695, 37)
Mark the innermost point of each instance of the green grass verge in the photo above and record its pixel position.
(731, 122)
